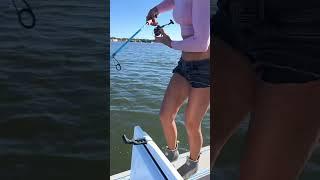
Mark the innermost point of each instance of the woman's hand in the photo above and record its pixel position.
(151, 17)
(164, 39)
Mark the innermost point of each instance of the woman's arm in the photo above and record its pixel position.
(200, 40)
(165, 5)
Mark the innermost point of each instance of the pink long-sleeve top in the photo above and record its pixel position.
(194, 19)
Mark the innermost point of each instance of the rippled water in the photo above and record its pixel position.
(53, 90)
(135, 97)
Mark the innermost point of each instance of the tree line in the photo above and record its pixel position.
(132, 40)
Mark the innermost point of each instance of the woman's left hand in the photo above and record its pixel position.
(164, 39)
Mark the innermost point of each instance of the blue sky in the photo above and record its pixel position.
(127, 16)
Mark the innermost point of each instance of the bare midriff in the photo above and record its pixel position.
(195, 56)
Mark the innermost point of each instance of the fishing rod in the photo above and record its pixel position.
(27, 11)
(157, 32)
(118, 66)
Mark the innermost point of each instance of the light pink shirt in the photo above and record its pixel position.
(194, 19)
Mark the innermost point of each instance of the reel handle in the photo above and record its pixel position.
(158, 28)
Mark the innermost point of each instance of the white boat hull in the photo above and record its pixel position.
(148, 162)
(143, 166)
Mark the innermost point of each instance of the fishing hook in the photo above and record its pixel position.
(117, 64)
(26, 10)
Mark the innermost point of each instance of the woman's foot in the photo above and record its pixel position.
(189, 168)
(172, 155)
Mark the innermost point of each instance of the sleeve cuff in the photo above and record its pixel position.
(175, 45)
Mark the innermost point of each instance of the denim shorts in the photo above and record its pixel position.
(283, 45)
(197, 73)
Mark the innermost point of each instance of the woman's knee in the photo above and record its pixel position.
(193, 119)
(166, 117)
(193, 125)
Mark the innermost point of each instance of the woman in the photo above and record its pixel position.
(190, 78)
(267, 62)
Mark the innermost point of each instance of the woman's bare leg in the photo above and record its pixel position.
(198, 103)
(233, 93)
(284, 129)
(176, 93)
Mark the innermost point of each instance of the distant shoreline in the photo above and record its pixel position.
(114, 39)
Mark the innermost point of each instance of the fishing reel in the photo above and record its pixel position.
(157, 29)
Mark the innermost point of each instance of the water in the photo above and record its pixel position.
(53, 90)
(135, 97)
(53, 95)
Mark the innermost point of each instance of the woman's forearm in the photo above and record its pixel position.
(165, 5)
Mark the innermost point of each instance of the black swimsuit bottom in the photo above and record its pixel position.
(283, 42)
(197, 73)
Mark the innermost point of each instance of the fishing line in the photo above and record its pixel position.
(116, 64)
(28, 11)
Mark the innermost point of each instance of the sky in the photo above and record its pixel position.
(127, 16)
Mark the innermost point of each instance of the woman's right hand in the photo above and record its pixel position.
(151, 17)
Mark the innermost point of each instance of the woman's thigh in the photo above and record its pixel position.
(233, 93)
(177, 92)
(283, 130)
(198, 103)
